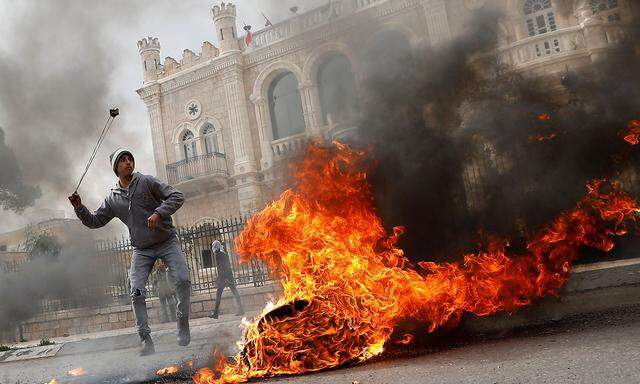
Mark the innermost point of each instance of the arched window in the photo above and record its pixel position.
(337, 89)
(285, 106)
(210, 137)
(189, 145)
(603, 5)
(540, 17)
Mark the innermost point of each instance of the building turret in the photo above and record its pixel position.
(224, 23)
(149, 49)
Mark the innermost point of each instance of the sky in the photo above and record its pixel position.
(64, 63)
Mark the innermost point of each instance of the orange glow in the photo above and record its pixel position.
(77, 372)
(346, 285)
(543, 137)
(168, 371)
(631, 134)
(544, 117)
(407, 339)
(53, 381)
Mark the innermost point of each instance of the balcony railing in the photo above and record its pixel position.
(289, 145)
(560, 43)
(205, 165)
(309, 20)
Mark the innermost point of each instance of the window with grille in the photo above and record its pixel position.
(210, 137)
(189, 145)
(539, 16)
(207, 260)
(603, 5)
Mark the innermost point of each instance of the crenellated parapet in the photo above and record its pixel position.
(149, 48)
(148, 43)
(223, 10)
(209, 51)
(189, 59)
(224, 25)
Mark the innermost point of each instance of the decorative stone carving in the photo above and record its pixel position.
(193, 109)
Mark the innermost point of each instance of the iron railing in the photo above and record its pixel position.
(188, 169)
(114, 258)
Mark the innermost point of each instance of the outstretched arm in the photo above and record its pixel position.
(99, 219)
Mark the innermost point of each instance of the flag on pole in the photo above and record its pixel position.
(248, 38)
(268, 22)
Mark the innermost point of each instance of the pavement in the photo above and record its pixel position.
(111, 356)
(584, 349)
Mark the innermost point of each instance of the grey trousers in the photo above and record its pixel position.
(142, 263)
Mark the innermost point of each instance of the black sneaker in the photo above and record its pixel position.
(184, 334)
(146, 345)
(213, 315)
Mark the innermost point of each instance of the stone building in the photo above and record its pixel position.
(224, 120)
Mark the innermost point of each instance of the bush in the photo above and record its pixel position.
(45, 341)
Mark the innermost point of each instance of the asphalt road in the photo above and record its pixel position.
(593, 348)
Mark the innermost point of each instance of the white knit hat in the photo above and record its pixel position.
(115, 157)
(216, 245)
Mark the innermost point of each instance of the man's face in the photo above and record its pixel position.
(125, 165)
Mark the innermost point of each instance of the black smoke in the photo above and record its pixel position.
(15, 195)
(467, 147)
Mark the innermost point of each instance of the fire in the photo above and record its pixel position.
(53, 381)
(346, 284)
(544, 117)
(550, 136)
(631, 134)
(168, 371)
(77, 372)
(407, 339)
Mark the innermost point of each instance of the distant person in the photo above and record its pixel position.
(164, 288)
(145, 205)
(225, 279)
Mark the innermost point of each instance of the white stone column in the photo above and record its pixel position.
(239, 122)
(264, 132)
(245, 169)
(594, 31)
(157, 133)
(437, 21)
(311, 108)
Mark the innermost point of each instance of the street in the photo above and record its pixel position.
(590, 348)
(594, 348)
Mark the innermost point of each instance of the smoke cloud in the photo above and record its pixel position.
(467, 148)
(14, 193)
(56, 274)
(57, 86)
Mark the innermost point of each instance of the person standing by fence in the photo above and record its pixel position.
(225, 279)
(164, 288)
(145, 205)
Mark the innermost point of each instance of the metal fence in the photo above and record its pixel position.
(196, 247)
(114, 258)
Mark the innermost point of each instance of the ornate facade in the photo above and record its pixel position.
(223, 120)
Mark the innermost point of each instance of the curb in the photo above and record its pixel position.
(591, 288)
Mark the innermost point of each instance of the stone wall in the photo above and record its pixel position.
(83, 320)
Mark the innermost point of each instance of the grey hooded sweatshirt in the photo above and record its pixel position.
(146, 195)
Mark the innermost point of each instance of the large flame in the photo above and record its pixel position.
(346, 284)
